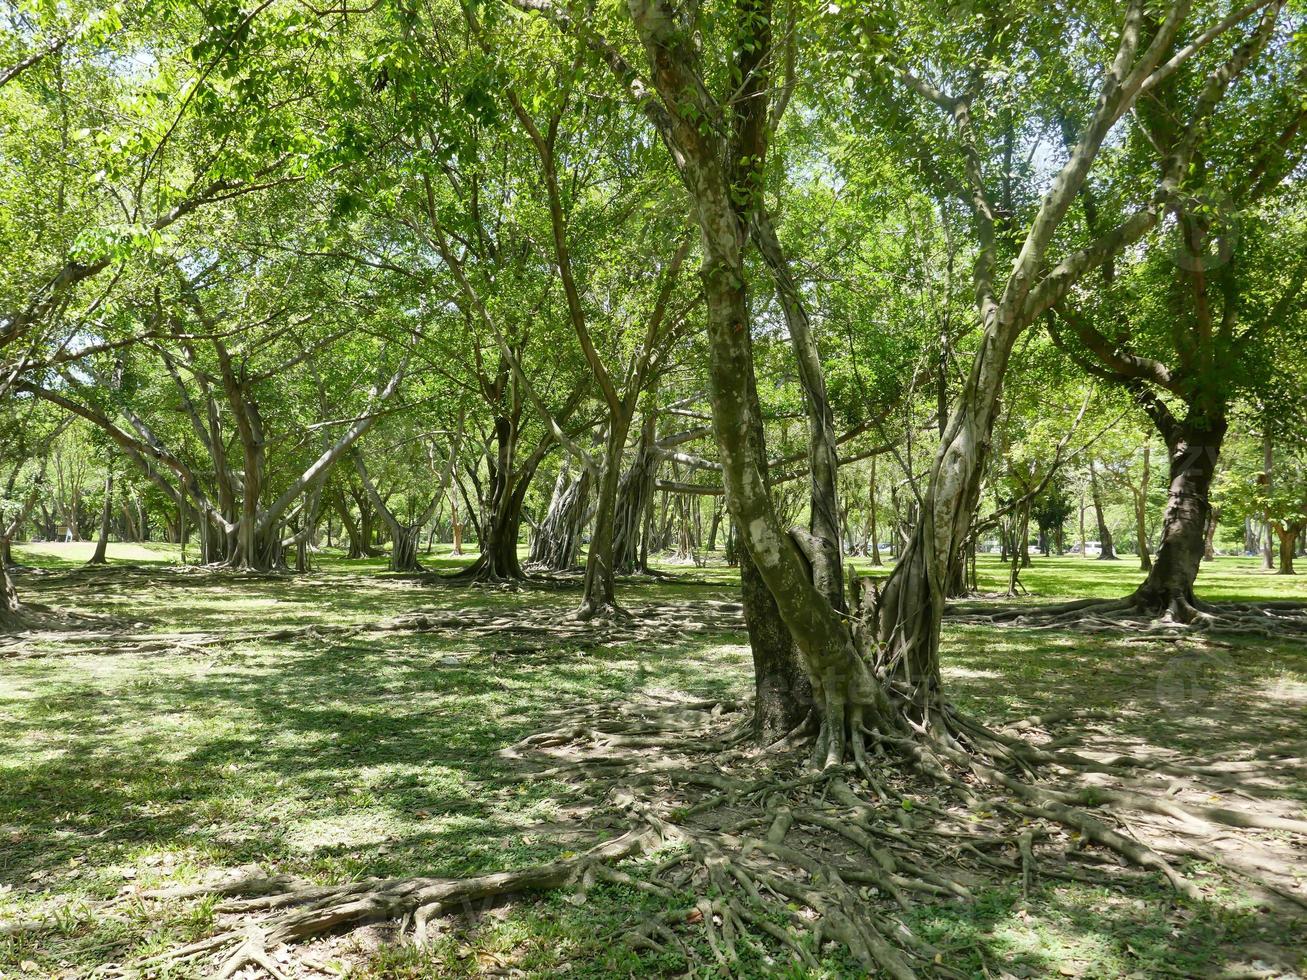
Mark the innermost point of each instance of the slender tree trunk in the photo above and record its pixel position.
(102, 542)
(871, 507)
(912, 605)
(1107, 551)
(1141, 532)
(599, 595)
(1209, 542)
(1268, 476)
(455, 524)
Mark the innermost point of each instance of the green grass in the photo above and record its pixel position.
(340, 758)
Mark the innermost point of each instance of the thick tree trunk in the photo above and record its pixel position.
(501, 523)
(782, 691)
(557, 542)
(1288, 536)
(1194, 448)
(404, 548)
(102, 541)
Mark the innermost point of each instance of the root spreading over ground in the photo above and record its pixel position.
(782, 859)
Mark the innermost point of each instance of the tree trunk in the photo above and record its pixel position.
(1209, 542)
(871, 507)
(1288, 535)
(1194, 448)
(1268, 478)
(634, 505)
(102, 541)
(8, 602)
(347, 521)
(1141, 533)
(501, 520)
(1107, 551)
(599, 595)
(782, 691)
(911, 609)
(1020, 556)
(404, 548)
(557, 542)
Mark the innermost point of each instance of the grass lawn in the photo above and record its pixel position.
(125, 766)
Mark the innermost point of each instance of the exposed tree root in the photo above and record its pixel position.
(1130, 615)
(758, 858)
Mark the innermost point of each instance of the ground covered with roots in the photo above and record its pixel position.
(346, 773)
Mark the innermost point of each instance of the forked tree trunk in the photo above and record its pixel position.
(501, 524)
(1193, 447)
(102, 541)
(1021, 556)
(352, 530)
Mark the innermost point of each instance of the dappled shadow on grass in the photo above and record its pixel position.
(1074, 929)
(1240, 707)
(171, 753)
(377, 755)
